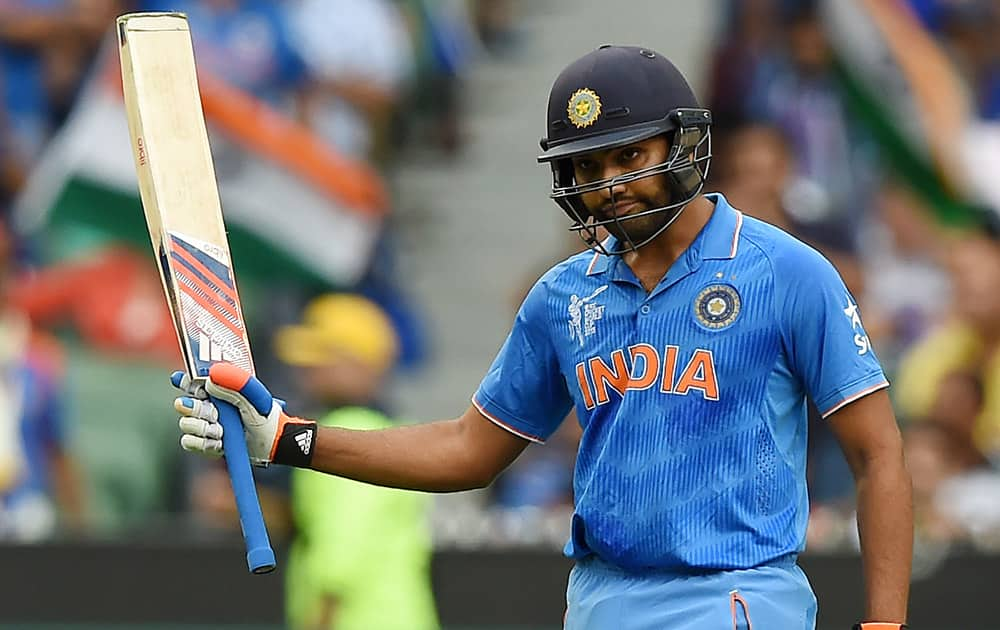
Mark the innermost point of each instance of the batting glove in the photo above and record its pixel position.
(272, 436)
(879, 625)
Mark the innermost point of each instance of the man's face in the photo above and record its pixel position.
(342, 380)
(975, 272)
(626, 199)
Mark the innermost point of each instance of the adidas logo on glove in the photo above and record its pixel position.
(294, 447)
(304, 440)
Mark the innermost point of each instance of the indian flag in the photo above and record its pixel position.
(296, 211)
(880, 96)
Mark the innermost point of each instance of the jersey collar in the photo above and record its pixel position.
(718, 240)
(720, 237)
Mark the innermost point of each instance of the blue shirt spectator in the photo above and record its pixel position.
(31, 423)
(246, 42)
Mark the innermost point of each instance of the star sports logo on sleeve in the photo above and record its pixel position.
(860, 338)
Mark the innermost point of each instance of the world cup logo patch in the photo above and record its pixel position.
(717, 306)
(583, 108)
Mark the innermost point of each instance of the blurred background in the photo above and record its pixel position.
(376, 160)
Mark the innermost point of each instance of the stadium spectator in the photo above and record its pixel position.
(957, 109)
(360, 558)
(495, 22)
(248, 43)
(109, 310)
(360, 65)
(801, 95)
(907, 289)
(953, 482)
(45, 46)
(929, 459)
(749, 47)
(968, 32)
(757, 171)
(39, 484)
(958, 403)
(753, 169)
(360, 60)
(444, 47)
(967, 340)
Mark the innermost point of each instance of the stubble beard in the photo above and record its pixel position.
(638, 230)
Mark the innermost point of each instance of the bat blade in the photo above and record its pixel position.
(209, 305)
(180, 199)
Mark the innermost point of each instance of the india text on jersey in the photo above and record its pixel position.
(647, 367)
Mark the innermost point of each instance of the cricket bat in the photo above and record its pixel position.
(180, 198)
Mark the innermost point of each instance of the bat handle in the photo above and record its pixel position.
(260, 556)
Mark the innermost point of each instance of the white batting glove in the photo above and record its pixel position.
(271, 434)
(199, 422)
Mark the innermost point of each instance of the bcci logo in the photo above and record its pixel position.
(717, 306)
(583, 315)
(584, 107)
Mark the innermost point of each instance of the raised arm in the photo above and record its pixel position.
(524, 391)
(935, 83)
(444, 456)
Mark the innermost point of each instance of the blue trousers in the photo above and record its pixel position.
(773, 597)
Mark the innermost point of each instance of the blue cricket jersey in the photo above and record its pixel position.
(692, 397)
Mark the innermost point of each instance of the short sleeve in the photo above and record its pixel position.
(524, 390)
(829, 350)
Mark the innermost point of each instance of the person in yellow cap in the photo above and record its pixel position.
(360, 557)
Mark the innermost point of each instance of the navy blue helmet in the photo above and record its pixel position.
(612, 97)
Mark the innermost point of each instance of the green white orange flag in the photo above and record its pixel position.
(295, 209)
(877, 43)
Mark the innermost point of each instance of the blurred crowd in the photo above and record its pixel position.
(879, 155)
(359, 83)
(815, 136)
(311, 105)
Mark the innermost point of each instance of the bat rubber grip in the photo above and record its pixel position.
(260, 556)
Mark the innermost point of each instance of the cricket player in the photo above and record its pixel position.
(688, 341)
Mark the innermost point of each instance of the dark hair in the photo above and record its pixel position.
(988, 222)
(797, 12)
